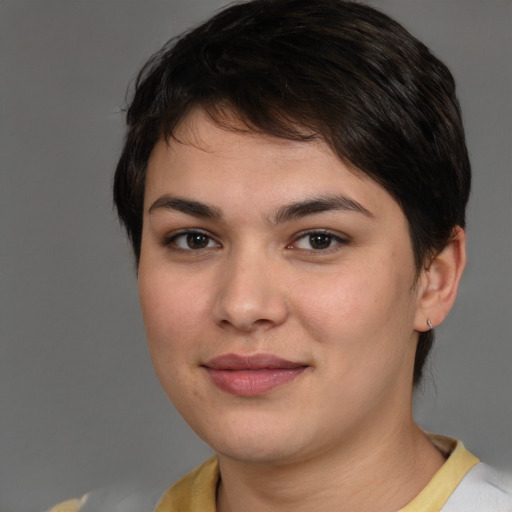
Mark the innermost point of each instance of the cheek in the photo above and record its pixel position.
(173, 313)
(362, 328)
(173, 308)
(341, 300)
(361, 314)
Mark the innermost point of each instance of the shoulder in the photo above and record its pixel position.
(483, 488)
(195, 492)
(113, 499)
(69, 505)
(463, 484)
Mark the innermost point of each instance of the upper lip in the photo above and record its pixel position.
(252, 362)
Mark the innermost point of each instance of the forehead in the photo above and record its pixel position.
(224, 134)
(205, 161)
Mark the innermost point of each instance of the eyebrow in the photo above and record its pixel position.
(187, 206)
(284, 214)
(320, 204)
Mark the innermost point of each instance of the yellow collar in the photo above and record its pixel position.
(443, 483)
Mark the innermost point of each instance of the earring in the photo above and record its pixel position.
(429, 323)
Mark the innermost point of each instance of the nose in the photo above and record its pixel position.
(251, 293)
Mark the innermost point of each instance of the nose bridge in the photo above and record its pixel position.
(250, 292)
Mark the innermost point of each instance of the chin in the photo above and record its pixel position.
(259, 451)
(257, 440)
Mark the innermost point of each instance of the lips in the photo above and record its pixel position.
(252, 375)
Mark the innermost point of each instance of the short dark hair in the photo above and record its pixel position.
(300, 69)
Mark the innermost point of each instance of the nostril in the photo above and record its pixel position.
(246, 326)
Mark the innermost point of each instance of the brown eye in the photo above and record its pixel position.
(192, 241)
(197, 241)
(320, 241)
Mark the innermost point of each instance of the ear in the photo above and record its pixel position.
(438, 283)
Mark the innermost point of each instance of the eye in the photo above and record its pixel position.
(191, 241)
(317, 241)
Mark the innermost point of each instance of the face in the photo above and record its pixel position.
(278, 294)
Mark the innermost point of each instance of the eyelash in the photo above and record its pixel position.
(339, 240)
(170, 241)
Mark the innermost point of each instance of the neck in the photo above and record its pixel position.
(383, 471)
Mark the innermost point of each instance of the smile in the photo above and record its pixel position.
(251, 375)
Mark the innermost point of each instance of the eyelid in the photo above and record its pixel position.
(340, 238)
(168, 239)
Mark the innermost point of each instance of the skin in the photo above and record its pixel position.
(253, 283)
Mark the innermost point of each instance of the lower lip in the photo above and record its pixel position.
(253, 382)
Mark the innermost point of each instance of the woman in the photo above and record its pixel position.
(294, 183)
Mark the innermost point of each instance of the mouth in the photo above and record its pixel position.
(250, 376)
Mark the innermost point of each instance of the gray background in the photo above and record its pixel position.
(80, 407)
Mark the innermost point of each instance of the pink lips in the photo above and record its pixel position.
(251, 375)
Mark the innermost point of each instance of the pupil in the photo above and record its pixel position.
(320, 241)
(197, 241)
